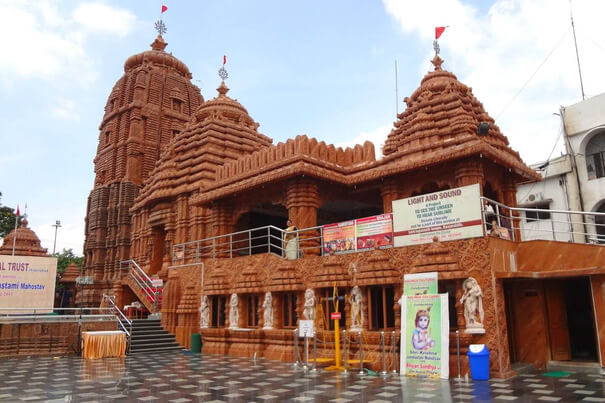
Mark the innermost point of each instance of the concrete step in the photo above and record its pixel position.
(574, 366)
(157, 350)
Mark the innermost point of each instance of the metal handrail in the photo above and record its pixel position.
(270, 239)
(121, 314)
(142, 280)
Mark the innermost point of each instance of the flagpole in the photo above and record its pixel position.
(15, 237)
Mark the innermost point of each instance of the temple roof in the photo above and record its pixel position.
(157, 56)
(442, 116)
(221, 130)
(70, 274)
(26, 244)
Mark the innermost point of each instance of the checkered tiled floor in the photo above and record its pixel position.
(176, 377)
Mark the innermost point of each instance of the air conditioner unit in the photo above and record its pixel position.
(535, 197)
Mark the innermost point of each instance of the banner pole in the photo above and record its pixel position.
(295, 344)
(345, 371)
(306, 363)
(314, 369)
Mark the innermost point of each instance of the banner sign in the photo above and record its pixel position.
(420, 283)
(425, 336)
(339, 237)
(374, 232)
(449, 214)
(27, 282)
(306, 328)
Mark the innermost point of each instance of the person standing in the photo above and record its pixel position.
(291, 241)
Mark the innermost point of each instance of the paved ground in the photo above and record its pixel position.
(177, 377)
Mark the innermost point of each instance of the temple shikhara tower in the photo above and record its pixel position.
(190, 203)
(148, 106)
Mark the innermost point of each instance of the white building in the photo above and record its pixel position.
(575, 181)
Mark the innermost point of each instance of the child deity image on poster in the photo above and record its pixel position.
(421, 339)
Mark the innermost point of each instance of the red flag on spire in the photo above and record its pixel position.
(439, 31)
(224, 59)
(164, 8)
(17, 213)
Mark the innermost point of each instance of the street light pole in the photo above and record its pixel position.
(56, 225)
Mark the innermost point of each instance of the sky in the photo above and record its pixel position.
(321, 68)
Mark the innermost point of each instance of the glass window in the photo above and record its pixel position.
(538, 215)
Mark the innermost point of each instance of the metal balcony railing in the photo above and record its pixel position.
(143, 281)
(529, 223)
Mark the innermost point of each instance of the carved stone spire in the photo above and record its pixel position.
(158, 44)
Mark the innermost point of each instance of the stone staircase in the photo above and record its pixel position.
(141, 296)
(149, 336)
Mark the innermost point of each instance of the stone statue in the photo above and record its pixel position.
(233, 312)
(356, 317)
(204, 312)
(268, 311)
(472, 299)
(309, 306)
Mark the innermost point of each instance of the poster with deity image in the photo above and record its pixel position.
(425, 336)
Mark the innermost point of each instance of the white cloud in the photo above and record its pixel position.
(46, 45)
(102, 18)
(65, 109)
(497, 52)
(377, 136)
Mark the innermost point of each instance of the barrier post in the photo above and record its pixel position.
(295, 364)
(458, 378)
(306, 363)
(314, 369)
(361, 371)
(384, 357)
(393, 352)
(345, 371)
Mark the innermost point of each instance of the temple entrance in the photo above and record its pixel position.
(550, 320)
(158, 250)
(261, 241)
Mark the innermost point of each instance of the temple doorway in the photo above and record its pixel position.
(344, 210)
(263, 240)
(550, 320)
(158, 251)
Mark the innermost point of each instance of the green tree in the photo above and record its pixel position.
(7, 219)
(65, 258)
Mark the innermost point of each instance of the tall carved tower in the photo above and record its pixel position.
(148, 106)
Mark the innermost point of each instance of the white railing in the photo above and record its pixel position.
(143, 281)
(123, 321)
(556, 225)
(268, 239)
(53, 315)
(562, 225)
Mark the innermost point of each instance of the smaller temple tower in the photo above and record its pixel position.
(26, 244)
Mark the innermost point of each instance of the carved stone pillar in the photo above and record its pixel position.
(389, 193)
(469, 172)
(509, 198)
(302, 202)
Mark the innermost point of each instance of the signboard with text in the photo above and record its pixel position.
(449, 214)
(27, 282)
(425, 336)
(339, 238)
(374, 232)
(420, 283)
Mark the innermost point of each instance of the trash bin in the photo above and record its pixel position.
(478, 358)
(196, 343)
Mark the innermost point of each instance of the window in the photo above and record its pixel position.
(177, 105)
(595, 157)
(175, 133)
(252, 301)
(380, 312)
(538, 215)
(449, 286)
(218, 310)
(289, 310)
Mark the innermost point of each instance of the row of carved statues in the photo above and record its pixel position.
(472, 300)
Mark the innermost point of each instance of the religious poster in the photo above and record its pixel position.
(448, 214)
(374, 232)
(27, 282)
(420, 283)
(339, 238)
(425, 336)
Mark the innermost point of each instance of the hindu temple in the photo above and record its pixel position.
(190, 201)
(24, 241)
